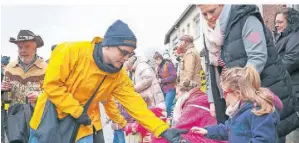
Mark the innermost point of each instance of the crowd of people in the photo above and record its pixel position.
(247, 92)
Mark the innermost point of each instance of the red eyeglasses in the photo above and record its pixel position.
(227, 92)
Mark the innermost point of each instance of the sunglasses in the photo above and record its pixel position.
(225, 93)
(124, 52)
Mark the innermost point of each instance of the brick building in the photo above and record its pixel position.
(269, 10)
(269, 14)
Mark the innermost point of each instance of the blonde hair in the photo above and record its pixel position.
(247, 82)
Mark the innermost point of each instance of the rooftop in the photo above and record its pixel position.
(177, 23)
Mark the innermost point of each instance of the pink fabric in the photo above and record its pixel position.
(157, 111)
(129, 128)
(254, 37)
(188, 119)
(277, 102)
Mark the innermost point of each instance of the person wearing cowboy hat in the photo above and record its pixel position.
(26, 74)
(23, 78)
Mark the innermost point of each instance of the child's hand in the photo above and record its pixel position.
(199, 130)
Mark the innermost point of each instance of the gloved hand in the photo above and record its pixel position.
(84, 119)
(174, 136)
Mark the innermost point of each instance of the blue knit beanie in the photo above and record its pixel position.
(119, 34)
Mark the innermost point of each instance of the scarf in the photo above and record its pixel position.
(214, 41)
(98, 58)
(215, 37)
(231, 111)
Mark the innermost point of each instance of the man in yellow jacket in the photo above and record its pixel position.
(74, 72)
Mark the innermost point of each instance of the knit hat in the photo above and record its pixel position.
(118, 34)
(5, 60)
(187, 38)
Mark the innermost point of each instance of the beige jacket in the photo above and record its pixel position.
(24, 82)
(146, 83)
(190, 66)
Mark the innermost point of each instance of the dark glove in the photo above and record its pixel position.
(174, 136)
(84, 119)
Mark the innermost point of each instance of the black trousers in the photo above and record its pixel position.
(98, 136)
(220, 107)
(3, 123)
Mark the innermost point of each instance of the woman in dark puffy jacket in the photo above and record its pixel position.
(286, 35)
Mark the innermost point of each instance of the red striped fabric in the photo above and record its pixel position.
(222, 64)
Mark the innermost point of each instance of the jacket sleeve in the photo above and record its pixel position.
(189, 66)
(63, 61)
(218, 132)
(263, 129)
(255, 43)
(291, 58)
(136, 107)
(288, 125)
(113, 113)
(172, 73)
(147, 77)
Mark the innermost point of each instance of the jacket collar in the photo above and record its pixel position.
(38, 63)
(244, 107)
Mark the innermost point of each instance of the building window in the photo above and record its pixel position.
(188, 29)
(196, 20)
(175, 41)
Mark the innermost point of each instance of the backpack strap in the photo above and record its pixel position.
(86, 106)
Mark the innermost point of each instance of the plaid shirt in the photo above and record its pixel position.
(166, 82)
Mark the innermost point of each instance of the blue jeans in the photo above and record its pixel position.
(119, 136)
(169, 97)
(87, 139)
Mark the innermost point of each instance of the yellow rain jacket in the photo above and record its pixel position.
(71, 78)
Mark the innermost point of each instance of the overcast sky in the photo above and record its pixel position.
(56, 24)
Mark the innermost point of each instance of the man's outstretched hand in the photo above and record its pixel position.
(174, 135)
